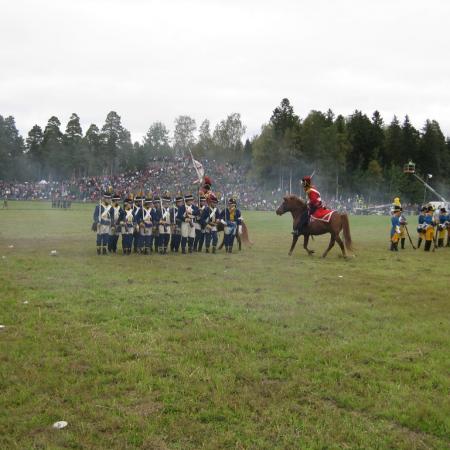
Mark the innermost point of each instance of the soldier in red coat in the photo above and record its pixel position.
(314, 203)
(206, 189)
(314, 200)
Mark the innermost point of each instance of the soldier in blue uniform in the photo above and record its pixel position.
(127, 224)
(176, 225)
(157, 215)
(209, 219)
(137, 206)
(145, 219)
(102, 223)
(429, 225)
(231, 219)
(186, 214)
(421, 226)
(442, 226)
(199, 229)
(395, 228)
(164, 225)
(115, 226)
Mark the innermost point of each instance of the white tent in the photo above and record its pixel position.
(43, 182)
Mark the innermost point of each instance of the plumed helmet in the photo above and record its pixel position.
(306, 181)
(207, 181)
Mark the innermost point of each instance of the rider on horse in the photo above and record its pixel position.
(314, 203)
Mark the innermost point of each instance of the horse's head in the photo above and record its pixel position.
(291, 203)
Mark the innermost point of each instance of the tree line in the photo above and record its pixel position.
(354, 154)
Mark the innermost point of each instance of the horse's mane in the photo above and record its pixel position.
(293, 199)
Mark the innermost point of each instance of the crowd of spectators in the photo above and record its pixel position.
(173, 175)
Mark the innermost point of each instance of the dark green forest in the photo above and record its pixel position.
(354, 154)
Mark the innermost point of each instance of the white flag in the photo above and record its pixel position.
(199, 168)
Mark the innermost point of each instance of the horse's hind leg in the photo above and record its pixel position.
(341, 244)
(330, 246)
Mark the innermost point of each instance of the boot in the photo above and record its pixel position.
(427, 246)
(392, 247)
(440, 242)
(419, 242)
(403, 243)
(98, 250)
(183, 251)
(214, 249)
(104, 251)
(396, 247)
(206, 250)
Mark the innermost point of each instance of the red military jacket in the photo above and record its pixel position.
(314, 200)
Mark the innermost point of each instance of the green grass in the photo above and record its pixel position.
(252, 350)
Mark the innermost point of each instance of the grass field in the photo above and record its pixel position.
(254, 350)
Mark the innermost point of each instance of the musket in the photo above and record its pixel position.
(409, 237)
(99, 213)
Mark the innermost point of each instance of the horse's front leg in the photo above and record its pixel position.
(330, 245)
(305, 245)
(294, 241)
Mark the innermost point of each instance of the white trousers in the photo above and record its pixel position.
(187, 231)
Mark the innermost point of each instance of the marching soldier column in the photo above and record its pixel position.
(160, 224)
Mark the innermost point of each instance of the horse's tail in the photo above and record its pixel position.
(245, 239)
(347, 235)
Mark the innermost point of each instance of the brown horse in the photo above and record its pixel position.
(338, 222)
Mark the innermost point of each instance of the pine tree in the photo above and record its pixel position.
(52, 150)
(74, 150)
(34, 149)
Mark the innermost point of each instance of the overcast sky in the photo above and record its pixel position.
(154, 60)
